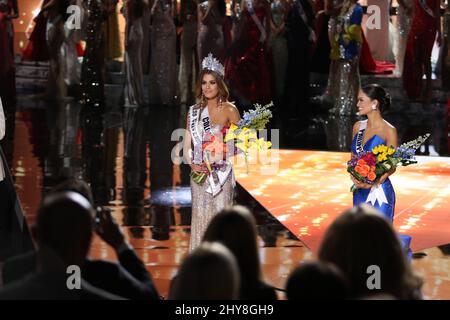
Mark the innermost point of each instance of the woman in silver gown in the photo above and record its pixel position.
(404, 16)
(210, 115)
(163, 83)
(344, 78)
(56, 87)
(134, 36)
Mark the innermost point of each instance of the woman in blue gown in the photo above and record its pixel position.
(373, 100)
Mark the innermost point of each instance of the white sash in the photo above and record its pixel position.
(360, 137)
(199, 125)
(376, 194)
(251, 11)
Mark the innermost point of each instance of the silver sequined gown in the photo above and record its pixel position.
(344, 78)
(330, 90)
(163, 65)
(205, 206)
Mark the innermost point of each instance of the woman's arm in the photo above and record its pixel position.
(233, 113)
(2, 121)
(187, 150)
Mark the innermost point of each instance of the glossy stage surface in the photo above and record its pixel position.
(309, 189)
(127, 163)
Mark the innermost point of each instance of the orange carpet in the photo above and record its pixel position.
(307, 190)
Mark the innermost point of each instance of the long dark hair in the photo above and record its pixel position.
(360, 238)
(376, 92)
(235, 228)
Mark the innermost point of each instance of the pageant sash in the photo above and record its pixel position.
(194, 114)
(258, 23)
(360, 137)
(426, 8)
(377, 194)
(217, 178)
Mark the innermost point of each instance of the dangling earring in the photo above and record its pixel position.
(203, 100)
(220, 102)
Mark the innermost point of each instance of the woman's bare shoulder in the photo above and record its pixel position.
(230, 107)
(232, 111)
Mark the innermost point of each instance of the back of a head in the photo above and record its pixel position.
(362, 240)
(64, 225)
(208, 273)
(75, 185)
(316, 281)
(235, 227)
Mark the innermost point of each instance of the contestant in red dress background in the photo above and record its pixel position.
(425, 25)
(248, 69)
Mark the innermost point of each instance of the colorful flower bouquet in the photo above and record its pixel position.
(230, 140)
(369, 166)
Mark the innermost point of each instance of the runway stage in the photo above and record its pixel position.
(311, 188)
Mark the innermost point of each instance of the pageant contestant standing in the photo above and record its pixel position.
(300, 38)
(36, 49)
(278, 45)
(134, 37)
(373, 101)
(345, 51)
(210, 39)
(425, 24)
(56, 11)
(92, 80)
(378, 38)
(404, 17)
(249, 67)
(163, 82)
(189, 63)
(210, 115)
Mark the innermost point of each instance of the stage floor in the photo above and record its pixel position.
(307, 190)
(312, 186)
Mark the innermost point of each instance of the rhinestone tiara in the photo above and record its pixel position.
(213, 64)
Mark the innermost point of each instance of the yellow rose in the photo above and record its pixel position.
(375, 151)
(380, 158)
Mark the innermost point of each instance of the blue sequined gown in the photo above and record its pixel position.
(360, 195)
